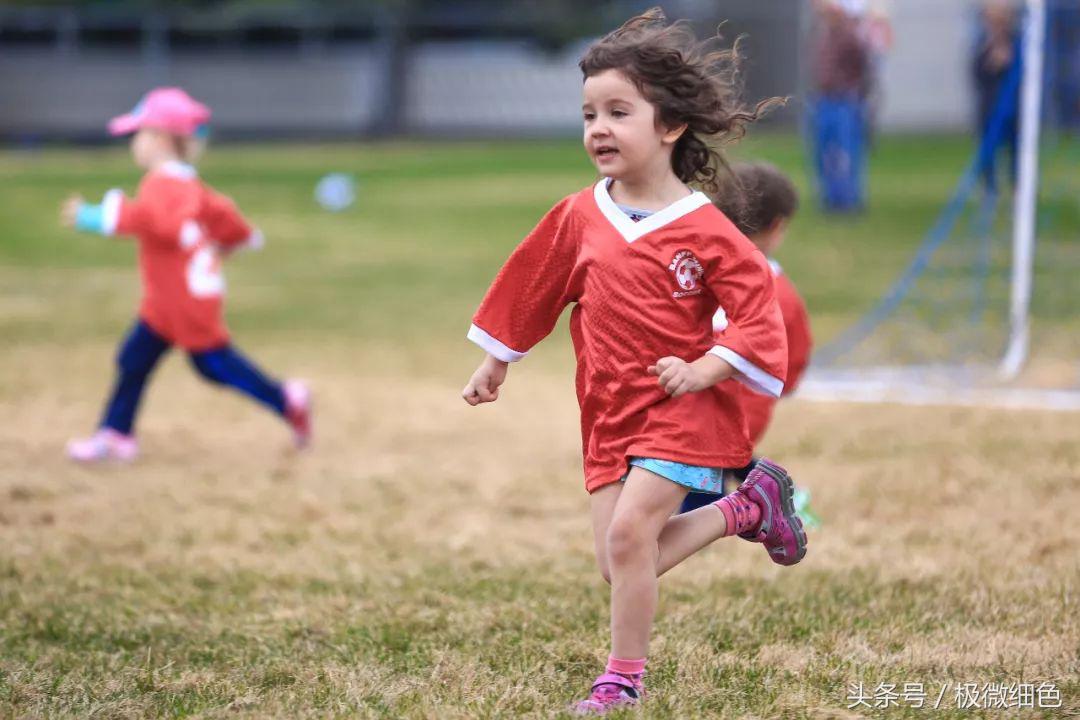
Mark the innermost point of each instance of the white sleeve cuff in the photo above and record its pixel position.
(750, 374)
(492, 346)
(254, 241)
(110, 211)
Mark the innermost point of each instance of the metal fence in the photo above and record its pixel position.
(452, 68)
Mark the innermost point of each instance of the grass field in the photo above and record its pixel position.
(427, 559)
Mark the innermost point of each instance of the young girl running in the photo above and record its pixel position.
(647, 261)
(183, 228)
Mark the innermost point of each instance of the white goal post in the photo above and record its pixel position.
(1027, 189)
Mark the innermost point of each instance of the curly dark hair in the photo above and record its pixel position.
(757, 195)
(688, 84)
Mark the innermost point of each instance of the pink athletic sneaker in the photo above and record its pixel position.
(781, 531)
(610, 691)
(298, 411)
(105, 444)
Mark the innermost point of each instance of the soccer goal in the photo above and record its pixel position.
(988, 310)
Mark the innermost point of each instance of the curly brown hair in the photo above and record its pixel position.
(688, 83)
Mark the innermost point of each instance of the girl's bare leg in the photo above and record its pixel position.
(681, 537)
(643, 507)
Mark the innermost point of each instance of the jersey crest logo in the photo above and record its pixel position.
(688, 272)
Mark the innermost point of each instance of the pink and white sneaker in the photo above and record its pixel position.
(298, 411)
(610, 691)
(105, 444)
(781, 531)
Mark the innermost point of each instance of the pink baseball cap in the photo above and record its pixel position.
(165, 108)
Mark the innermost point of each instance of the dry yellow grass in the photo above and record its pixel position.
(971, 515)
(427, 559)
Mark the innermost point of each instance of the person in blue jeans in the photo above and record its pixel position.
(839, 110)
(996, 54)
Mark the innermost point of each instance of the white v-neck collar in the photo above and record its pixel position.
(178, 169)
(631, 230)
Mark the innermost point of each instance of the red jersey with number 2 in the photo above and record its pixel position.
(182, 227)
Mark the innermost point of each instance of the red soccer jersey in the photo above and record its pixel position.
(759, 408)
(643, 291)
(182, 227)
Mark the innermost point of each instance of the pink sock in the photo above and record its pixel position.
(740, 513)
(630, 668)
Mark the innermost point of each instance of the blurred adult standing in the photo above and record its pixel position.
(841, 78)
(996, 51)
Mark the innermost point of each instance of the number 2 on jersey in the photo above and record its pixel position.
(204, 276)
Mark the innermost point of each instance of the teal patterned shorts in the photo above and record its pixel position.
(694, 477)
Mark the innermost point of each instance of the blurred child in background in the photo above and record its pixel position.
(762, 202)
(183, 229)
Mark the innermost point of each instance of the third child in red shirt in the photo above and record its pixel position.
(762, 206)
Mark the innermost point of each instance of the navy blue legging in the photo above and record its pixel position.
(139, 355)
(695, 500)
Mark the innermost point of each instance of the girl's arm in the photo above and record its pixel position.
(532, 288)
(116, 214)
(98, 218)
(754, 343)
(524, 302)
(69, 211)
(484, 384)
(227, 227)
(679, 377)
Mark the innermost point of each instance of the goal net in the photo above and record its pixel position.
(988, 310)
